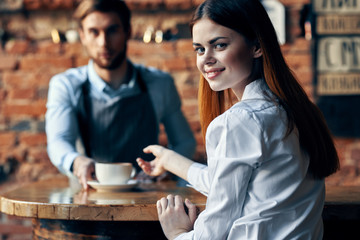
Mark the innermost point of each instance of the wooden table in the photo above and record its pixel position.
(59, 212)
(341, 214)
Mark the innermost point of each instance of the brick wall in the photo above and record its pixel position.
(28, 59)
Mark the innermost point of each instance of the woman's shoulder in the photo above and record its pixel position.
(255, 114)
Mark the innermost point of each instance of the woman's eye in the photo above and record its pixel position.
(220, 46)
(199, 50)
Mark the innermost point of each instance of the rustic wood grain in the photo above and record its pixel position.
(54, 199)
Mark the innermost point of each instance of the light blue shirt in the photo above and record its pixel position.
(256, 180)
(64, 93)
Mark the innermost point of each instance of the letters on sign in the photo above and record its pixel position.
(338, 54)
(337, 6)
(338, 24)
(338, 84)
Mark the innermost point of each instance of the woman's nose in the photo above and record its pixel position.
(208, 58)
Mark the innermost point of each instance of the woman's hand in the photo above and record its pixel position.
(155, 167)
(172, 215)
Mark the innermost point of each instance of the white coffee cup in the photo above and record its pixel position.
(114, 173)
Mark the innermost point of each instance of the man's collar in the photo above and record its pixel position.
(97, 82)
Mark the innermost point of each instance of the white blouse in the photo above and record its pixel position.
(256, 179)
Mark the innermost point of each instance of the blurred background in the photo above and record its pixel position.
(38, 38)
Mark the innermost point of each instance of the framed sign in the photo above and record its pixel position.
(337, 64)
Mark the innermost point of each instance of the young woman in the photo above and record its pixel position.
(268, 154)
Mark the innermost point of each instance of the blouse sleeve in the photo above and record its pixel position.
(234, 147)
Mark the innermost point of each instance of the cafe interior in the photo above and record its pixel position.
(320, 41)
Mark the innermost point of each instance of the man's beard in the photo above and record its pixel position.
(115, 63)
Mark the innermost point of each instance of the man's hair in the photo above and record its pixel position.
(116, 6)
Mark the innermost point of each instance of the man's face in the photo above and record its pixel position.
(105, 39)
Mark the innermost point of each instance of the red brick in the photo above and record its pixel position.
(189, 93)
(32, 4)
(17, 46)
(32, 139)
(28, 79)
(195, 126)
(197, 2)
(294, 2)
(190, 110)
(144, 4)
(33, 109)
(199, 139)
(178, 4)
(74, 50)
(34, 171)
(45, 4)
(300, 45)
(184, 46)
(37, 155)
(163, 141)
(7, 139)
(49, 48)
(81, 61)
(139, 48)
(191, 63)
(298, 60)
(6, 229)
(175, 64)
(3, 94)
(30, 62)
(15, 152)
(355, 155)
(8, 62)
(25, 93)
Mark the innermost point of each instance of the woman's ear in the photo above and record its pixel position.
(257, 49)
(257, 52)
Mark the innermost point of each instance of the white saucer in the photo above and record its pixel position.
(112, 187)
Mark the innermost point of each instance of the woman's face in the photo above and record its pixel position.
(223, 56)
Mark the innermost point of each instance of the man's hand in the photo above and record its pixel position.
(84, 170)
(173, 218)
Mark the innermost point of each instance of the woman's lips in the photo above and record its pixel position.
(210, 74)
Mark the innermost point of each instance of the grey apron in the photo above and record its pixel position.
(119, 131)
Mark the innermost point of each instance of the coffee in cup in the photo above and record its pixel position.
(114, 173)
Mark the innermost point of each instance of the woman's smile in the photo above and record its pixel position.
(213, 73)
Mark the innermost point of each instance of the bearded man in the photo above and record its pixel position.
(112, 105)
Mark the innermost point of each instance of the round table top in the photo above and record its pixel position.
(55, 199)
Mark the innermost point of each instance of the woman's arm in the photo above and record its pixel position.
(165, 160)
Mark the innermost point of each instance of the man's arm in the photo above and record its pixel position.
(61, 124)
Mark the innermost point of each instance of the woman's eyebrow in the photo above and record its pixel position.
(215, 39)
(210, 41)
